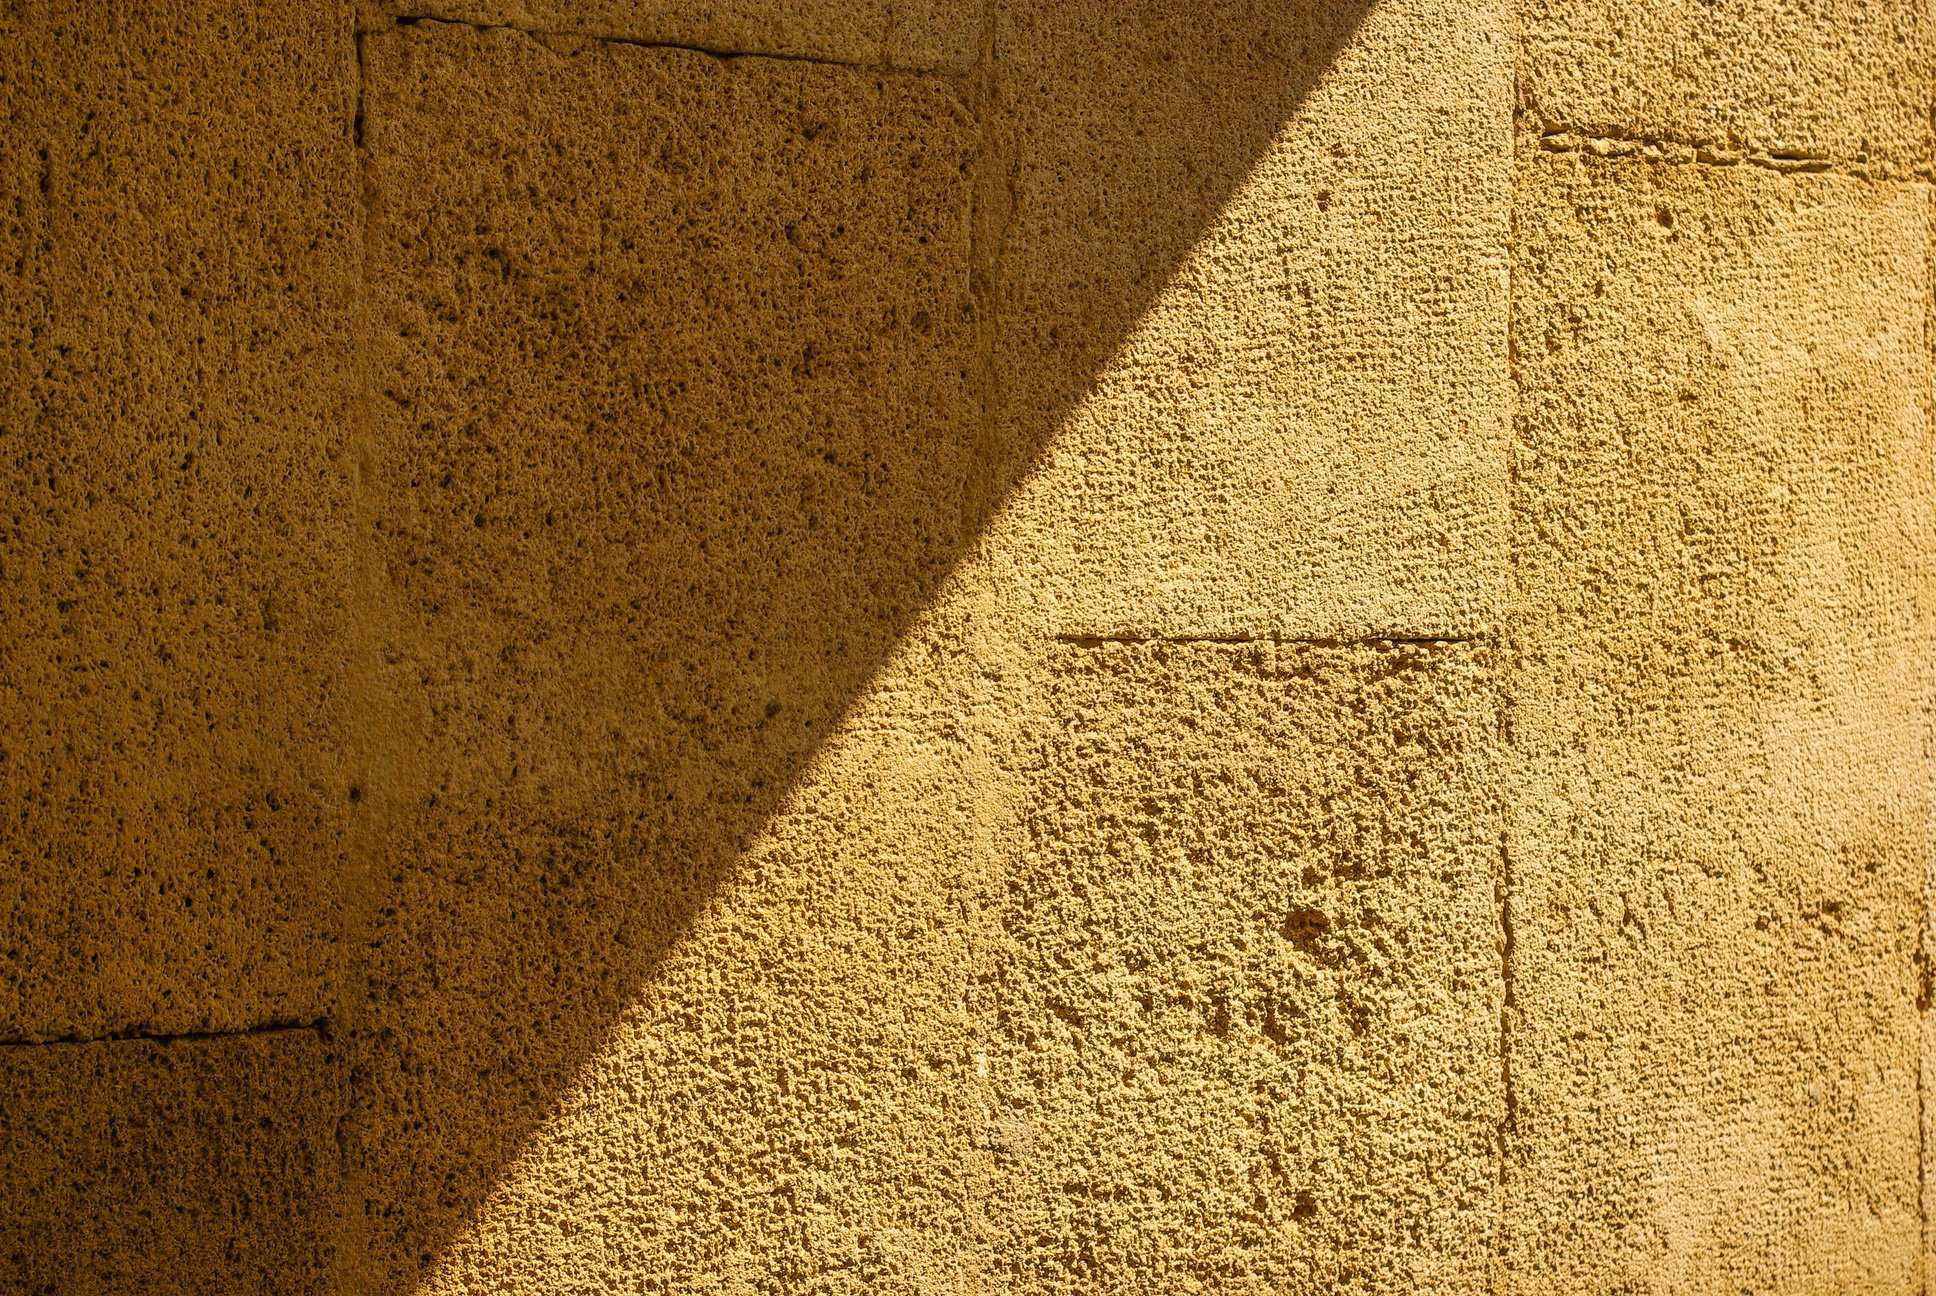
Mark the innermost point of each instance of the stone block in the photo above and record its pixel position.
(136, 1166)
(675, 404)
(1719, 808)
(1244, 1009)
(178, 261)
(1250, 368)
(1845, 80)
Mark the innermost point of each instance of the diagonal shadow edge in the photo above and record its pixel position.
(407, 1225)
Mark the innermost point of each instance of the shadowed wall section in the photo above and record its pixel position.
(180, 262)
(145, 1165)
(1032, 647)
(178, 280)
(673, 399)
(705, 380)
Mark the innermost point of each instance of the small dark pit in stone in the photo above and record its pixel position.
(1304, 925)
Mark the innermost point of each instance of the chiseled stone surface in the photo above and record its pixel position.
(909, 647)
(674, 407)
(177, 265)
(1244, 1007)
(1719, 815)
(1251, 354)
(1842, 79)
(941, 36)
(785, 1103)
(131, 1167)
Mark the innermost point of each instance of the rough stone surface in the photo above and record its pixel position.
(132, 1167)
(673, 412)
(177, 259)
(1719, 817)
(908, 647)
(784, 1105)
(1253, 310)
(911, 35)
(1245, 1005)
(1843, 79)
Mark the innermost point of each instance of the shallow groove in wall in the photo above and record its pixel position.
(1307, 641)
(710, 51)
(1502, 676)
(1558, 138)
(1923, 966)
(319, 1024)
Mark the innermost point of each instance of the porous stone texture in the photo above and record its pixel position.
(131, 1167)
(770, 646)
(1847, 80)
(909, 35)
(1245, 1001)
(1251, 362)
(673, 408)
(177, 263)
(784, 1105)
(1238, 1012)
(1719, 808)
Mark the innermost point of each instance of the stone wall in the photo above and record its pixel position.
(1038, 646)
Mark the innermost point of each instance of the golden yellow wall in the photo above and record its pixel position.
(920, 646)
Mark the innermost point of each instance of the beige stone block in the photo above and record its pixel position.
(1251, 372)
(675, 405)
(1244, 1021)
(942, 36)
(177, 263)
(133, 1167)
(1720, 807)
(1845, 79)
(784, 1104)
